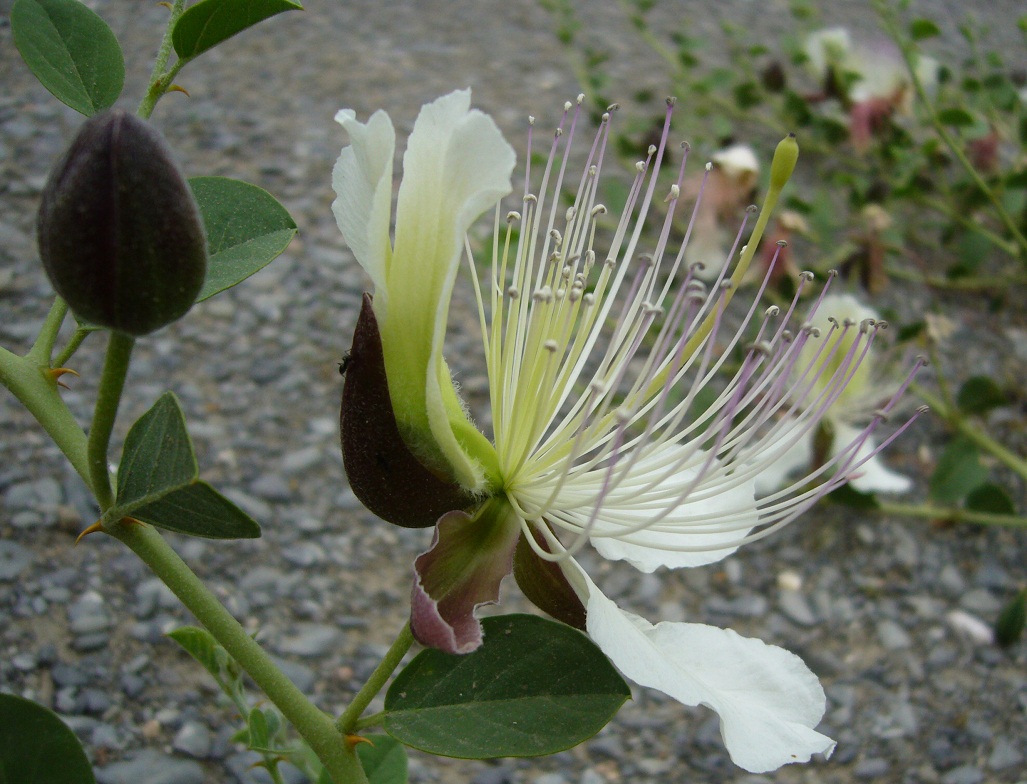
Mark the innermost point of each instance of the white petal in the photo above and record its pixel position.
(873, 476)
(457, 165)
(679, 539)
(362, 179)
(767, 699)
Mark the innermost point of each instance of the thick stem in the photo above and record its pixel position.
(314, 726)
(37, 391)
(348, 720)
(42, 349)
(112, 382)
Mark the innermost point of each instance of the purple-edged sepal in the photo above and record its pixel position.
(468, 559)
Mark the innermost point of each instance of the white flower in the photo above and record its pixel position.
(611, 424)
(846, 417)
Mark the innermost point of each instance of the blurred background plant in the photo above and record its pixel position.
(913, 186)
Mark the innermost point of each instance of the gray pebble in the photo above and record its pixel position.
(892, 635)
(14, 559)
(304, 554)
(271, 487)
(871, 768)
(193, 738)
(981, 601)
(550, 778)
(1005, 755)
(796, 607)
(151, 767)
(964, 774)
(311, 640)
(497, 775)
(40, 497)
(88, 614)
(301, 460)
(591, 776)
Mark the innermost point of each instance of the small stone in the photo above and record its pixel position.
(591, 776)
(304, 554)
(14, 559)
(550, 778)
(497, 775)
(193, 738)
(971, 626)
(151, 767)
(271, 487)
(311, 640)
(1004, 755)
(88, 614)
(872, 768)
(796, 607)
(981, 601)
(892, 635)
(41, 497)
(964, 774)
(24, 662)
(301, 460)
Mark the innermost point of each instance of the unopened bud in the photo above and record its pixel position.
(120, 234)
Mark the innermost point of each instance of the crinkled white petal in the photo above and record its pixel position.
(362, 179)
(873, 476)
(767, 699)
(457, 165)
(688, 535)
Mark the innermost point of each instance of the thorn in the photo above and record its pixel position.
(353, 740)
(177, 88)
(56, 373)
(93, 529)
(166, 5)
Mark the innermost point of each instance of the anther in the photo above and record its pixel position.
(531, 198)
(881, 415)
(613, 107)
(671, 100)
(806, 275)
(599, 209)
(782, 243)
(567, 106)
(550, 346)
(556, 237)
(581, 98)
(513, 216)
(709, 166)
(752, 209)
(772, 311)
(686, 146)
(513, 292)
(640, 166)
(759, 347)
(675, 192)
(832, 273)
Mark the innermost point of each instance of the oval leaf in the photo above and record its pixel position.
(36, 747)
(383, 759)
(979, 395)
(71, 51)
(959, 472)
(534, 687)
(246, 230)
(920, 29)
(210, 22)
(199, 510)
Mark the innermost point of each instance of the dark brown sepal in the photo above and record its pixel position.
(545, 585)
(120, 234)
(384, 474)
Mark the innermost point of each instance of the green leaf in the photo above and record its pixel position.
(158, 481)
(36, 747)
(1011, 621)
(919, 29)
(199, 510)
(956, 116)
(158, 456)
(979, 395)
(959, 471)
(534, 687)
(246, 230)
(384, 760)
(991, 499)
(71, 51)
(210, 22)
(201, 645)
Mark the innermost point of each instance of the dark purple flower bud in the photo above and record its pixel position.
(120, 234)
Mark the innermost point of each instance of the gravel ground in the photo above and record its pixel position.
(889, 613)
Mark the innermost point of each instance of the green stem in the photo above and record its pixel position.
(32, 384)
(112, 382)
(66, 353)
(314, 726)
(966, 428)
(373, 720)
(887, 17)
(952, 514)
(347, 722)
(160, 79)
(42, 349)
(956, 284)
